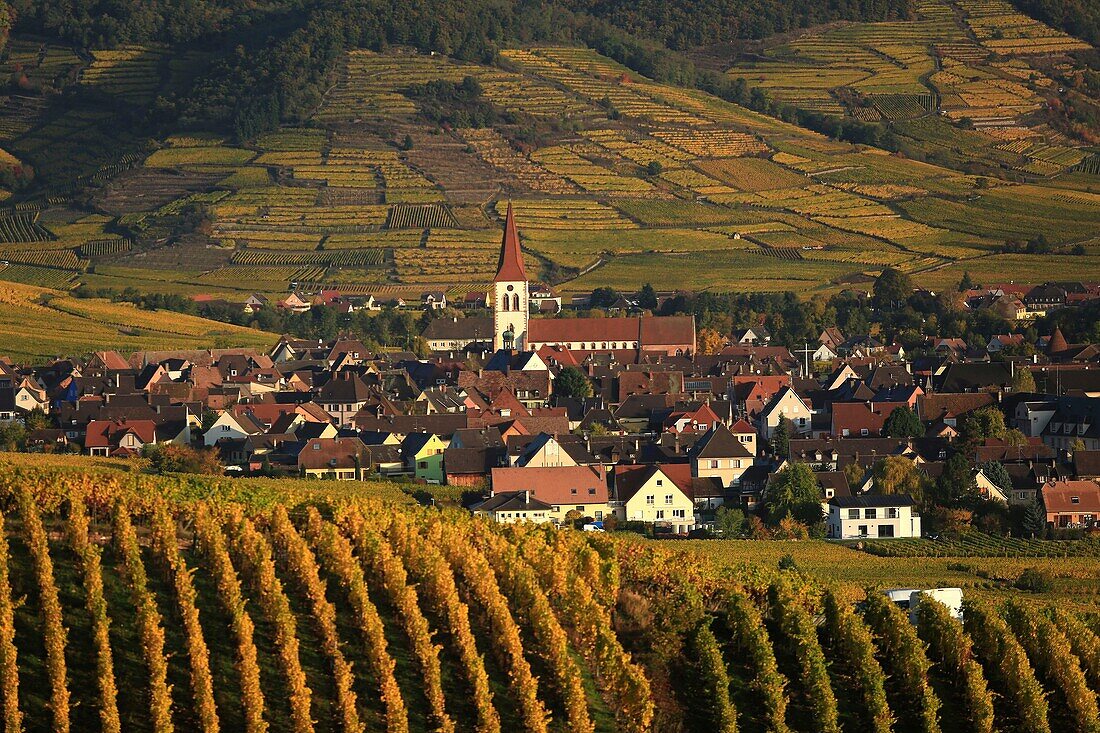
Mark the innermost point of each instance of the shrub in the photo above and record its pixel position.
(1034, 580)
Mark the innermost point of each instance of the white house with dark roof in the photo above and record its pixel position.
(872, 516)
(514, 506)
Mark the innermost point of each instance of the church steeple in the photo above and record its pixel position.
(510, 291)
(510, 265)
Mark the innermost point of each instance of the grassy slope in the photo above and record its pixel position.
(30, 329)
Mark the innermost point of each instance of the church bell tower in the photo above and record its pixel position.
(509, 293)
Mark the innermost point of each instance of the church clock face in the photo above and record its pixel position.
(510, 288)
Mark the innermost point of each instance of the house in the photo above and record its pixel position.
(869, 515)
(231, 426)
(47, 440)
(697, 420)
(470, 466)
(456, 334)
(1074, 423)
(746, 434)
(424, 456)
(7, 404)
(824, 353)
(973, 377)
(514, 506)
(566, 489)
(722, 455)
(787, 404)
(341, 459)
(544, 300)
(1046, 297)
(255, 302)
(989, 490)
(950, 407)
(545, 451)
(648, 493)
(434, 300)
(295, 303)
(343, 397)
(30, 396)
(1000, 342)
(1086, 464)
(832, 338)
(751, 336)
(119, 437)
(862, 419)
(1071, 504)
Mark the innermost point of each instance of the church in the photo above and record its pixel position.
(514, 329)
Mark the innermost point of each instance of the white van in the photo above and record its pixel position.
(908, 599)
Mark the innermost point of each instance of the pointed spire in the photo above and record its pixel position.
(510, 266)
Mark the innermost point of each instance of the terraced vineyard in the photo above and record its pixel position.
(312, 609)
(888, 72)
(611, 173)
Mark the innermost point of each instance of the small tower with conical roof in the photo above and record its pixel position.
(510, 293)
(1057, 343)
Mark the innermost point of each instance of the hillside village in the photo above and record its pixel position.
(622, 420)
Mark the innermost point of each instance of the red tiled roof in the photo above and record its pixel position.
(564, 330)
(667, 331)
(647, 332)
(561, 485)
(1058, 497)
(951, 404)
(510, 265)
(322, 453)
(560, 354)
(859, 416)
(103, 433)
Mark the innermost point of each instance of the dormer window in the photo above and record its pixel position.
(1075, 500)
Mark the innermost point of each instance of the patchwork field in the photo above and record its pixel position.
(962, 80)
(616, 179)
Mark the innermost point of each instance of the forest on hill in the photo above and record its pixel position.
(273, 60)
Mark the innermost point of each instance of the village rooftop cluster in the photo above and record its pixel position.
(613, 420)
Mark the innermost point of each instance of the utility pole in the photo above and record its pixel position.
(805, 351)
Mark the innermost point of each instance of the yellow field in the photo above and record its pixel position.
(853, 570)
(37, 323)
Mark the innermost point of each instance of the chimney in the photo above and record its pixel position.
(527, 496)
